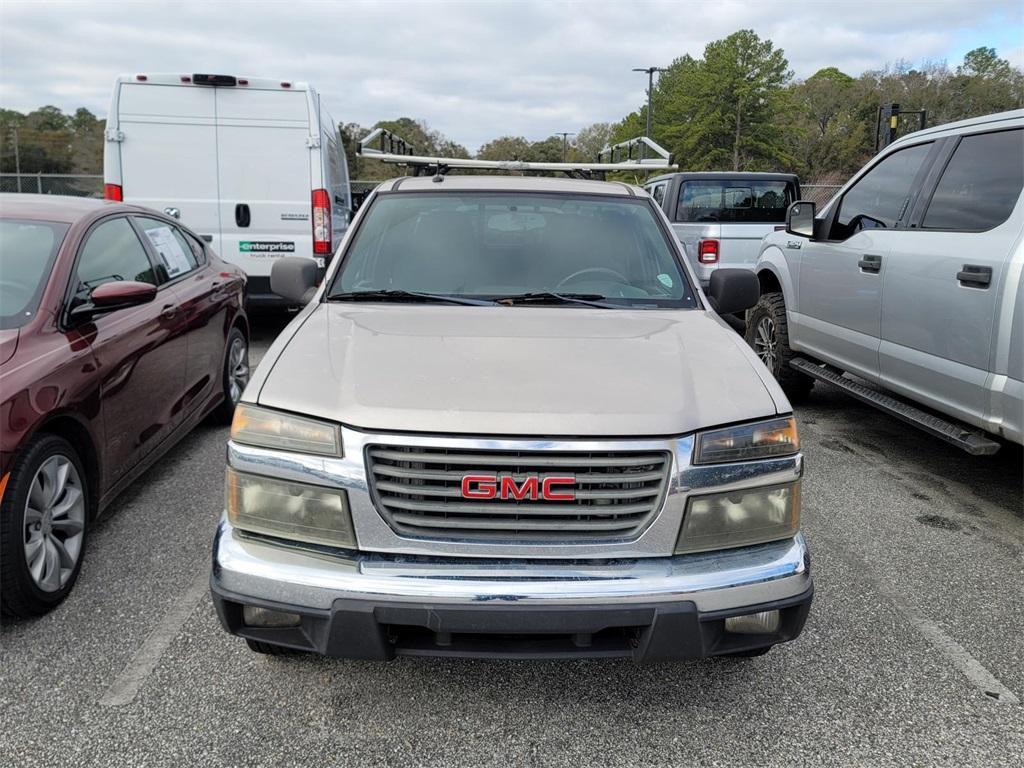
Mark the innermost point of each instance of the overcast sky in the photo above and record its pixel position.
(474, 71)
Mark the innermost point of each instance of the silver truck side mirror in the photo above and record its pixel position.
(800, 218)
(294, 278)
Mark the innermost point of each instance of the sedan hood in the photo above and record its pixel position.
(537, 371)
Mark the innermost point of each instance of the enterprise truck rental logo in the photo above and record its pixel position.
(255, 246)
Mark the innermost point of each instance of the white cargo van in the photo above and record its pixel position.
(254, 165)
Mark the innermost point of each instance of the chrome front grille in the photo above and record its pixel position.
(419, 492)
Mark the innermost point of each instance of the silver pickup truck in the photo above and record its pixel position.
(721, 217)
(510, 423)
(908, 284)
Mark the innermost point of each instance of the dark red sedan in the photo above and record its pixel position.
(119, 332)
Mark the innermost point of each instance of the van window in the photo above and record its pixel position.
(879, 198)
(658, 192)
(111, 252)
(981, 184)
(735, 200)
(176, 257)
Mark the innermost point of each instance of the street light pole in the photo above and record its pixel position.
(650, 93)
(17, 157)
(565, 141)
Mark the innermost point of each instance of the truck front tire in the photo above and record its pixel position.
(768, 335)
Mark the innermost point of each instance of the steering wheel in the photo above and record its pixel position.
(594, 270)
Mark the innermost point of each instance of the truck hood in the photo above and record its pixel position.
(537, 371)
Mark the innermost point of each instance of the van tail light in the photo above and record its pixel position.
(707, 252)
(112, 192)
(321, 222)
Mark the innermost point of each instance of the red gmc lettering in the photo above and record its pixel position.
(508, 488)
(551, 494)
(479, 486)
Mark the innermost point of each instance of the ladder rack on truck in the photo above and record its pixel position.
(381, 144)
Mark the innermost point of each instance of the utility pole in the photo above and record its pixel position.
(650, 93)
(565, 141)
(17, 158)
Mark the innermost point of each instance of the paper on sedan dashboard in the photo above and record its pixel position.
(171, 253)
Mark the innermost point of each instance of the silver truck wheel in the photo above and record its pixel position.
(768, 335)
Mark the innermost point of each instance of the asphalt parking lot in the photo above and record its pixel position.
(913, 654)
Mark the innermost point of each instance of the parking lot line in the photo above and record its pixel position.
(958, 656)
(127, 684)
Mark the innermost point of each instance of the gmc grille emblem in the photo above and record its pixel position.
(506, 487)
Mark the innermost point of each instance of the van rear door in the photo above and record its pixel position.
(169, 152)
(264, 169)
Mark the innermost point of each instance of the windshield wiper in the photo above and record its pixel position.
(550, 297)
(408, 296)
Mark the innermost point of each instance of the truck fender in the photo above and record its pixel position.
(773, 272)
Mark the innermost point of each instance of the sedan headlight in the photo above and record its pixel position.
(274, 429)
(760, 440)
(289, 510)
(740, 518)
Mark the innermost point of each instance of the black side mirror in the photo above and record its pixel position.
(733, 290)
(294, 278)
(800, 218)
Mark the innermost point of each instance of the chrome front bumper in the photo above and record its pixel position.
(373, 606)
(305, 580)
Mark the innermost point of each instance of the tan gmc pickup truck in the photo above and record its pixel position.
(510, 423)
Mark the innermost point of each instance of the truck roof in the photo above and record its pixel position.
(729, 175)
(499, 183)
(1009, 119)
(178, 78)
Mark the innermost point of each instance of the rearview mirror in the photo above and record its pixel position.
(294, 278)
(800, 218)
(733, 290)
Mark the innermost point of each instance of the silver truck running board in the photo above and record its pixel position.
(965, 438)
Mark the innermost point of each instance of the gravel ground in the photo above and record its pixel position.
(918, 567)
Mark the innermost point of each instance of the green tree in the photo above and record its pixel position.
(505, 148)
(720, 111)
(590, 140)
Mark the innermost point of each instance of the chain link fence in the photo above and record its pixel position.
(78, 185)
(819, 193)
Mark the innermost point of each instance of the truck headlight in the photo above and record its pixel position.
(289, 510)
(273, 429)
(760, 440)
(740, 518)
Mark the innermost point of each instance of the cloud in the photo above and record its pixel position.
(472, 70)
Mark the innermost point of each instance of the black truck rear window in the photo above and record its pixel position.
(734, 200)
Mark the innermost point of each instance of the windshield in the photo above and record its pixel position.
(534, 248)
(27, 250)
(742, 201)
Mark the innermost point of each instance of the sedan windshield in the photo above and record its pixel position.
(27, 250)
(513, 249)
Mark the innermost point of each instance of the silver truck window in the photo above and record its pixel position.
(494, 245)
(981, 184)
(735, 201)
(881, 196)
